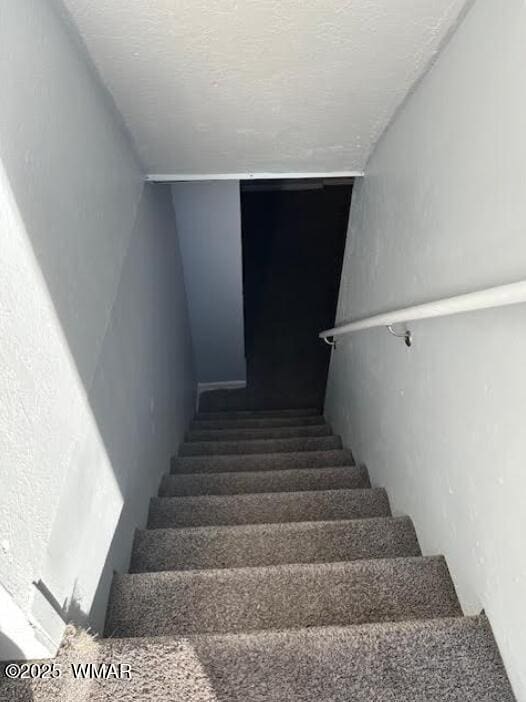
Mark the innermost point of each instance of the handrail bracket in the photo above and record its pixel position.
(406, 336)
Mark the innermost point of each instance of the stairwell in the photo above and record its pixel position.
(270, 569)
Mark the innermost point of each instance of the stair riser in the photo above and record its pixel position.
(168, 512)
(261, 461)
(265, 433)
(266, 481)
(257, 423)
(236, 547)
(243, 600)
(225, 448)
(257, 414)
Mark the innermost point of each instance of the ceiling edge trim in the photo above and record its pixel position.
(177, 177)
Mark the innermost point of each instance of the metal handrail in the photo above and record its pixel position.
(499, 296)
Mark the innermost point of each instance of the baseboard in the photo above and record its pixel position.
(219, 385)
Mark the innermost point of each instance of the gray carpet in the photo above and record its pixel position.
(207, 510)
(257, 433)
(272, 544)
(257, 414)
(280, 597)
(261, 461)
(441, 660)
(295, 480)
(278, 576)
(245, 447)
(257, 422)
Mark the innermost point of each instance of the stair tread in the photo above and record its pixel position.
(287, 480)
(264, 414)
(436, 660)
(272, 544)
(445, 660)
(325, 505)
(254, 422)
(255, 446)
(258, 433)
(280, 596)
(261, 461)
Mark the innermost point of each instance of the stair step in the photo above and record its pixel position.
(269, 508)
(280, 597)
(261, 461)
(302, 479)
(258, 414)
(258, 433)
(257, 423)
(251, 446)
(438, 660)
(272, 544)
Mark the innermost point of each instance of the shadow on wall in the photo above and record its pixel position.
(117, 423)
(96, 374)
(138, 401)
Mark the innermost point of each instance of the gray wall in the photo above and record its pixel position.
(442, 211)
(209, 229)
(96, 373)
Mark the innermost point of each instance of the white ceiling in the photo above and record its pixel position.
(238, 86)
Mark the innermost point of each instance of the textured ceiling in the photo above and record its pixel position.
(234, 86)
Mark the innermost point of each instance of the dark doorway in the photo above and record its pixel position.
(293, 243)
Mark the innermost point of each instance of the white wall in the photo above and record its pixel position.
(208, 220)
(441, 211)
(95, 359)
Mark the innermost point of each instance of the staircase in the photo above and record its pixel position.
(271, 570)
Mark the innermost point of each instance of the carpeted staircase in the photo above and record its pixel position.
(271, 570)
